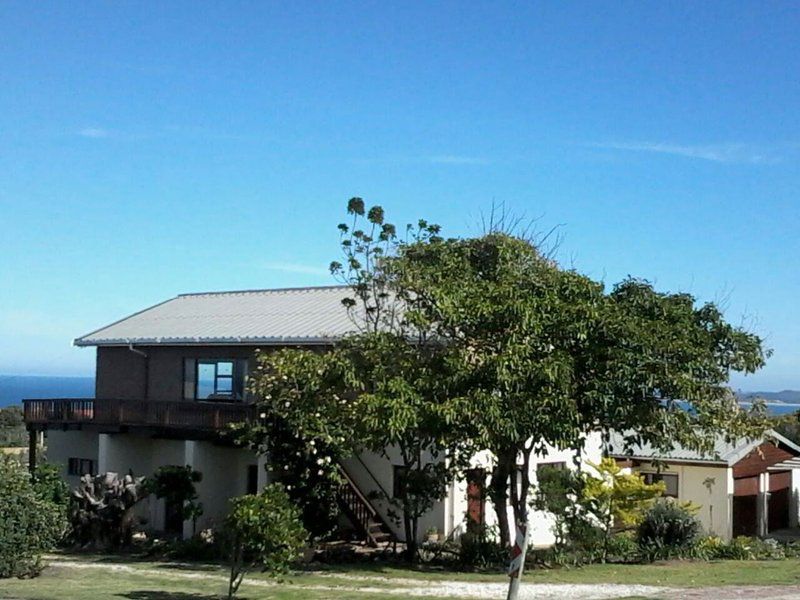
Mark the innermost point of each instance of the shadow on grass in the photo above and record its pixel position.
(159, 595)
(189, 566)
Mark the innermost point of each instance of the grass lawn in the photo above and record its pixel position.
(109, 577)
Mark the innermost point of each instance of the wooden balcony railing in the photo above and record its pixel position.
(186, 414)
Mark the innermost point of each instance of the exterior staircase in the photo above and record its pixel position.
(364, 517)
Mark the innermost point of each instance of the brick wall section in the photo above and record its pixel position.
(766, 455)
(121, 373)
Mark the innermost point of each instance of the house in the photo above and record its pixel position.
(171, 378)
(742, 488)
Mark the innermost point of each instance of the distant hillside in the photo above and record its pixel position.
(786, 396)
(13, 388)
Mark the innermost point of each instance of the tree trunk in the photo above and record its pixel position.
(411, 536)
(498, 493)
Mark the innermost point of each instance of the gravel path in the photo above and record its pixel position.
(407, 587)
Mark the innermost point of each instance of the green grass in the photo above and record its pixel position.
(128, 578)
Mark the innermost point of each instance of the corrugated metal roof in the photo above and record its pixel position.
(724, 452)
(312, 315)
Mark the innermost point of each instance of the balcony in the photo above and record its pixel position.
(182, 415)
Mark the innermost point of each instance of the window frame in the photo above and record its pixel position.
(651, 477)
(216, 395)
(78, 467)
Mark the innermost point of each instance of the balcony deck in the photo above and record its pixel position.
(183, 415)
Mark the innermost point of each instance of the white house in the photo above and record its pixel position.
(171, 378)
(742, 488)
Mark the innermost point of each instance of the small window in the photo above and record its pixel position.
(399, 482)
(670, 482)
(80, 466)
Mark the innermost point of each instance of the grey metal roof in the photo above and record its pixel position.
(311, 315)
(724, 452)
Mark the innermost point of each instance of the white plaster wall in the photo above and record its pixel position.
(449, 515)
(224, 472)
(373, 472)
(63, 445)
(540, 523)
(715, 512)
(794, 506)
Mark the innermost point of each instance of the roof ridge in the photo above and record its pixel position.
(307, 288)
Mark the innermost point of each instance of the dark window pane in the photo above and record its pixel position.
(399, 481)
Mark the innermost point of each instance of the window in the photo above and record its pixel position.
(559, 466)
(670, 481)
(80, 466)
(214, 379)
(399, 481)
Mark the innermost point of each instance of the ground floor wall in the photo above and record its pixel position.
(707, 487)
(376, 477)
(226, 471)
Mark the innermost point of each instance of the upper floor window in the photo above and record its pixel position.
(214, 378)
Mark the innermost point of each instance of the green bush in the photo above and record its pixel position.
(480, 548)
(740, 548)
(667, 531)
(203, 546)
(30, 525)
(176, 484)
(623, 547)
(264, 530)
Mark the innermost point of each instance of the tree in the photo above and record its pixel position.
(101, 511)
(617, 499)
(380, 389)
(176, 484)
(547, 357)
(263, 530)
(30, 523)
(12, 427)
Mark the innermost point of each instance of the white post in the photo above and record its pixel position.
(762, 505)
(263, 475)
(517, 563)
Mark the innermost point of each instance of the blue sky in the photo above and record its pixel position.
(148, 149)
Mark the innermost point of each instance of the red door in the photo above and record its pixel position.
(476, 499)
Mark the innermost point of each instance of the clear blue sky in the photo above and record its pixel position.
(148, 149)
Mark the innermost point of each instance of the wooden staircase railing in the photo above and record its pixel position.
(362, 514)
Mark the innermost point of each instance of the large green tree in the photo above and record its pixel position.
(548, 357)
(384, 388)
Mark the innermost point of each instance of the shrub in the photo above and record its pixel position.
(263, 530)
(29, 524)
(176, 484)
(101, 511)
(740, 548)
(479, 547)
(622, 547)
(667, 530)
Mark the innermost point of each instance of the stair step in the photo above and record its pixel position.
(382, 537)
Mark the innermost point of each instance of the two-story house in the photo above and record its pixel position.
(172, 377)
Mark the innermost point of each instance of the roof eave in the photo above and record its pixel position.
(273, 341)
